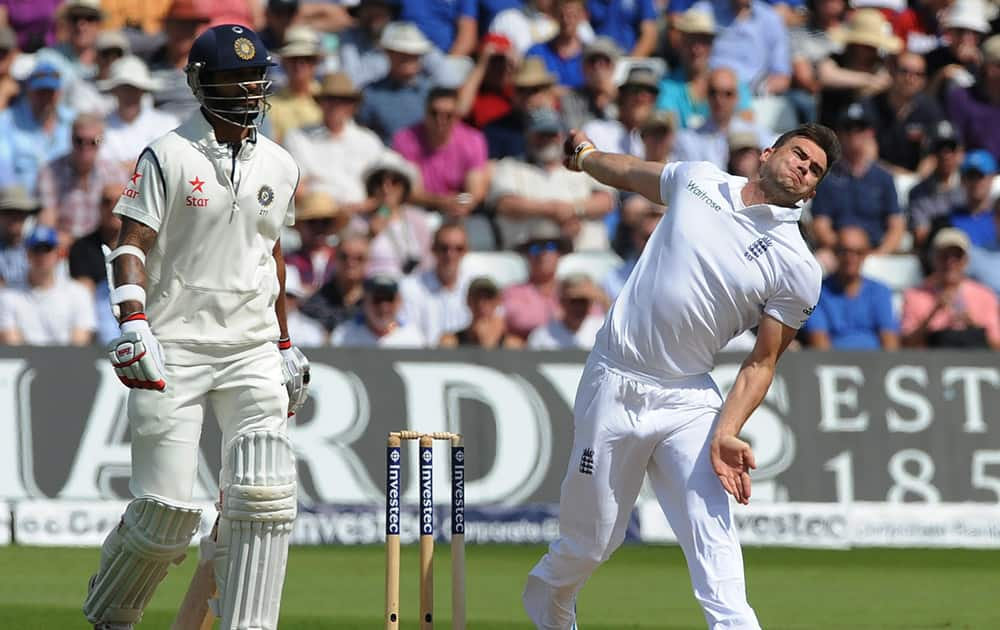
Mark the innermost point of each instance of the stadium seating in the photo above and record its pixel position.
(504, 268)
(774, 113)
(595, 264)
(898, 272)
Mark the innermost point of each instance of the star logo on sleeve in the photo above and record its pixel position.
(196, 184)
(135, 178)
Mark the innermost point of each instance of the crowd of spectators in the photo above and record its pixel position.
(428, 133)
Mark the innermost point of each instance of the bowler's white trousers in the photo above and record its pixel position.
(243, 387)
(626, 426)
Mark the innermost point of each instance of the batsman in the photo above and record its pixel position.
(197, 280)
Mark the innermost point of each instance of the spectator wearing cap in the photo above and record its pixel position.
(857, 191)
(452, 27)
(974, 216)
(279, 16)
(134, 123)
(563, 54)
(308, 332)
(111, 46)
(487, 326)
(435, 300)
(294, 106)
(317, 220)
(935, 196)
(630, 23)
(658, 133)
(975, 110)
(76, 57)
(744, 154)
(535, 302)
(333, 154)
(358, 48)
(709, 142)
(858, 71)
(339, 299)
(488, 91)
(71, 185)
(397, 100)
(636, 97)
(36, 129)
(811, 43)
(450, 155)
(534, 88)
(647, 216)
(949, 310)
(684, 90)
(595, 99)
(957, 60)
(182, 24)
(576, 325)
(542, 189)
(751, 38)
(905, 117)
(86, 262)
(853, 312)
(16, 206)
(379, 323)
(34, 23)
(50, 309)
(401, 233)
(8, 52)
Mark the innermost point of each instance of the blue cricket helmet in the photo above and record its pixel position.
(229, 47)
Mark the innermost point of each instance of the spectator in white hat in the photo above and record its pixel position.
(111, 46)
(134, 123)
(958, 59)
(397, 100)
(294, 105)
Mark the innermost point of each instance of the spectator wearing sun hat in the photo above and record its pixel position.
(294, 105)
(50, 309)
(534, 88)
(134, 123)
(318, 220)
(36, 129)
(397, 100)
(16, 207)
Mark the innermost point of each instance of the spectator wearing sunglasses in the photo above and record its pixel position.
(36, 129)
(853, 312)
(435, 300)
(86, 262)
(76, 55)
(71, 185)
(379, 323)
(536, 302)
(50, 309)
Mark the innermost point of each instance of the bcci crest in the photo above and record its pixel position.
(244, 48)
(265, 197)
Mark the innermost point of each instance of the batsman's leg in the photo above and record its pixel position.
(605, 473)
(700, 514)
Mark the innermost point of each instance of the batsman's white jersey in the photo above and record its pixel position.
(211, 278)
(645, 403)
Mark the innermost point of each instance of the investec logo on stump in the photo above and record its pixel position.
(426, 491)
(392, 500)
(458, 490)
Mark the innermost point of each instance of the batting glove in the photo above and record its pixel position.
(137, 356)
(295, 371)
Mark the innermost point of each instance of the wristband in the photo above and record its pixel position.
(581, 151)
(284, 343)
(133, 317)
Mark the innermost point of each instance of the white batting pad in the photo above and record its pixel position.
(258, 507)
(135, 558)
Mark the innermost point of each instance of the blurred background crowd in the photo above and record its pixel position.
(433, 208)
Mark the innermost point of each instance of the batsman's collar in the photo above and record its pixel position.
(203, 135)
(779, 213)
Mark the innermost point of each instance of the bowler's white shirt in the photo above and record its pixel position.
(334, 164)
(355, 333)
(123, 142)
(432, 307)
(48, 317)
(211, 277)
(556, 336)
(710, 269)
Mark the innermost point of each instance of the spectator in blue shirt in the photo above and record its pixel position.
(450, 25)
(16, 205)
(397, 100)
(534, 88)
(563, 54)
(854, 312)
(975, 216)
(984, 261)
(358, 46)
(631, 23)
(753, 41)
(857, 191)
(36, 129)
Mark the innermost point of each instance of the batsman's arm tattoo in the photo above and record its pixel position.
(129, 269)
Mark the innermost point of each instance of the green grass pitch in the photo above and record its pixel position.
(641, 587)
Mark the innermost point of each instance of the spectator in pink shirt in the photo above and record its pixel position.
(536, 302)
(949, 310)
(450, 155)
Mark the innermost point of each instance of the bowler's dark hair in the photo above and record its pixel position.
(823, 136)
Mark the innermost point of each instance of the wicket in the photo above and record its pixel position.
(393, 501)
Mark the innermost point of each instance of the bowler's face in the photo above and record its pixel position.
(796, 167)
